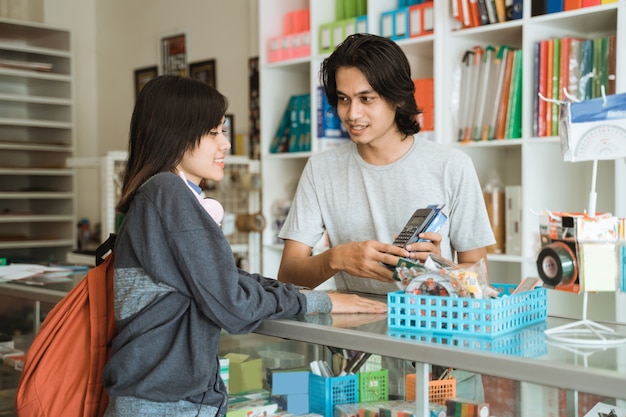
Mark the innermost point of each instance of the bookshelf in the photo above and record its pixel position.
(534, 163)
(37, 198)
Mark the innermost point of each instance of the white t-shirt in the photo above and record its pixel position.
(354, 201)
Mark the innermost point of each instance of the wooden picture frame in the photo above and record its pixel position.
(203, 71)
(143, 75)
(173, 55)
(229, 126)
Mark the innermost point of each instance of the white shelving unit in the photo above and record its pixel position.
(534, 163)
(37, 204)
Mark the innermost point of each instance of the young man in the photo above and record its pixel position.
(364, 192)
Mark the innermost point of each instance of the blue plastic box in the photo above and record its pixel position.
(468, 316)
(326, 392)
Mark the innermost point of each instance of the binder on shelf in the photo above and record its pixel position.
(481, 125)
(538, 7)
(586, 71)
(513, 219)
(350, 9)
(294, 120)
(549, 71)
(304, 142)
(566, 43)
(326, 38)
(491, 11)
(293, 130)
(340, 9)
(274, 49)
(611, 65)
(421, 19)
(477, 69)
(424, 97)
(554, 6)
(349, 27)
(338, 33)
(514, 9)
(500, 72)
(556, 65)
(542, 69)
(328, 123)
(401, 26)
(575, 57)
(285, 46)
(280, 141)
(464, 94)
(463, 15)
(387, 24)
(483, 14)
(361, 8)
(503, 107)
(361, 24)
(474, 13)
(500, 10)
(601, 66)
(536, 98)
(572, 4)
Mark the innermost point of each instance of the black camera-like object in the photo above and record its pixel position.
(557, 262)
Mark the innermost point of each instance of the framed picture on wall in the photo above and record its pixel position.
(229, 128)
(173, 50)
(203, 71)
(142, 76)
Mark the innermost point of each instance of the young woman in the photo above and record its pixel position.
(176, 282)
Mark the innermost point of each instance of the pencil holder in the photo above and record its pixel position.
(373, 386)
(439, 390)
(326, 392)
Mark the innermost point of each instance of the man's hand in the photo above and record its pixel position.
(366, 259)
(421, 250)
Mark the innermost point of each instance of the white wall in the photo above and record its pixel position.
(112, 38)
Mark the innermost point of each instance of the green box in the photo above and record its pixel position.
(326, 38)
(244, 373)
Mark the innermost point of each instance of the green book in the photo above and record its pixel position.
(586, 71)
(514, 115)
(600, 66)
(340, 9)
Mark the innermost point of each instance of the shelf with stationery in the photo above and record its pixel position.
(37, 195)
(532, 162)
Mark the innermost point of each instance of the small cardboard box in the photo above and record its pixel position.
(244, 373)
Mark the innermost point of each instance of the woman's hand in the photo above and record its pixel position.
(352, 303)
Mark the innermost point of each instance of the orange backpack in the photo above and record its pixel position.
(62, 373)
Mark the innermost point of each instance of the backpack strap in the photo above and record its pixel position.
(105, 248)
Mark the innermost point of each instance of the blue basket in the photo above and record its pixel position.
(468, 316)
(528, 342)
(326, 392)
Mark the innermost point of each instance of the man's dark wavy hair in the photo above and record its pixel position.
(385, 67)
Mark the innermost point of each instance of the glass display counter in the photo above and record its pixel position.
(523, 373)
